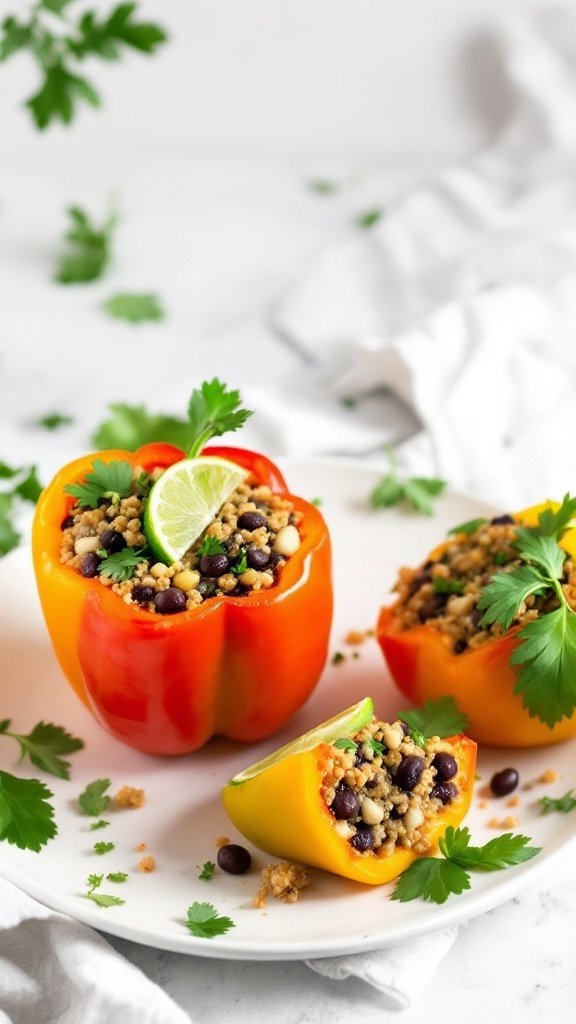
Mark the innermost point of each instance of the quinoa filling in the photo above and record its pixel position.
(242, 550)
(445, 591)
(383, 789)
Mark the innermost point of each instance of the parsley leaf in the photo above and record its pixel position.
(111, 480)
(94, 882)
(101, 900)
(131, 426)
(345, 744)
(440, 717)
(88, 248)
(117, 876)
(434, 879)
(470, 526)
(547, 656)
(134, 308)
(43, 745)
(444, 586)
(418, 738)
(563, 804)
(121, 565)
(54, 420)
(208, 870)
(25, 813)
(58, 50)
(210, 546)
(418, 492)
(101, 848)
(204, 921)
(242, 563)
(374, 745)
(99, 824)
(214, 410)
(554, 524)
(541, 550)
(503, 597)
(94, 799)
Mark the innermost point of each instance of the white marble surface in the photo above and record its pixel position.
(209, 158)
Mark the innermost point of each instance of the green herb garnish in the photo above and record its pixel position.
(208, 870)
(205, 922)
(122, 565)
(375, 745)
(43, 745)
(316, 501)
(24, 486)
(562, 804)
(99, 824)
(418, 492)
(210, 546)
(134, 308)
(470, 526)
(418, 738)
(54, 420)
(440, 717)
(242, 563)
(434, 878)
(370, 218)
(102, 848)
(344, 744)
(26, 816)
(440, 585)
(546, 654)
(59, 44)
(213, 410)
(338, 658)
(94, 800)
(117, 877)
(112, 480)
(88, 248)
(322, 186)
(103, 900)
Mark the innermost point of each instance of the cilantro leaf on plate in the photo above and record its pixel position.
(117, 877)
(501, 852)
(43, 745)
(420, 492)
(440, 717)
(101, 848)
(122, 564)
(207, 871)
(94, 800)
(103, 900)
(205, 922)
(370, 217)
(135, 308)
(26, 816)
(431, 879)
(111, 480)
(562, 804)
(99, 824)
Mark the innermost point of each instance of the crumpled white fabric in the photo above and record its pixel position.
(53, 969)
(400, 973)
(462, 300)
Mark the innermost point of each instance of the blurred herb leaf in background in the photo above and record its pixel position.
(16, 484)
(130, 426)
(58, 44)
(135, 308)
(88, 248)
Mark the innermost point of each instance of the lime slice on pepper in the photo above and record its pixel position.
(185, 500)
(338, 727)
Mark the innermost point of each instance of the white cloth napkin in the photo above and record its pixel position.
(462, 300)
(54, 969)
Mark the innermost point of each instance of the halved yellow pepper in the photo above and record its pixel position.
(281, 810)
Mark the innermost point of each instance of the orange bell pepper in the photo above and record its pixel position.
(281, 810)
(423, 665)
(234, 666)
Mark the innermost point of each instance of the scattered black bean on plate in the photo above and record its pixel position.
(234, 859)
(504, 782)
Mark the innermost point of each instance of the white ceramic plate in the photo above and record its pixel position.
(183, 814)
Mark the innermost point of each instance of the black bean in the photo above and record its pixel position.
(234, 859)
(409, 771)
(460, 646)
(207, 588)
(169, 601)
(504, 782)
(503, 520)
(67, 523)
(142, 594)
(395, 813)
(256, 557)
(445, 792)
(112, 541)
(446, 766)
(89, 565)
(475, 616)
(214, 565)
(362, 840)
(405, 728)
(251, 521)
(345, 804)
(432, 607)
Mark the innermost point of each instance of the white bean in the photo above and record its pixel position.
(413, 818)
(85, 545)
(287, 541)
(372, 814)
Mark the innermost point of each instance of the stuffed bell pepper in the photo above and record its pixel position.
(185, 596)
(490, 619)
(356, 796)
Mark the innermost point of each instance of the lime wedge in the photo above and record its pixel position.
(340, 726)
(185, 500)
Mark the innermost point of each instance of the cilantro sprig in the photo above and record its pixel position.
(26, 815)
(435, 879)
(545, 656)
(134, 307)
(207, 871)
(112, 480)
(93, 882)
(59, 45)
(205, 922)
(94, 800)
(440, 717)
(121, 565)
(562, 804)
(418, 492)
(214, 410)
(43, 746)
(210, 546)
(88, 248)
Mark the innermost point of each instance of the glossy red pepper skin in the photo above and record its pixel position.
(236, 667)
